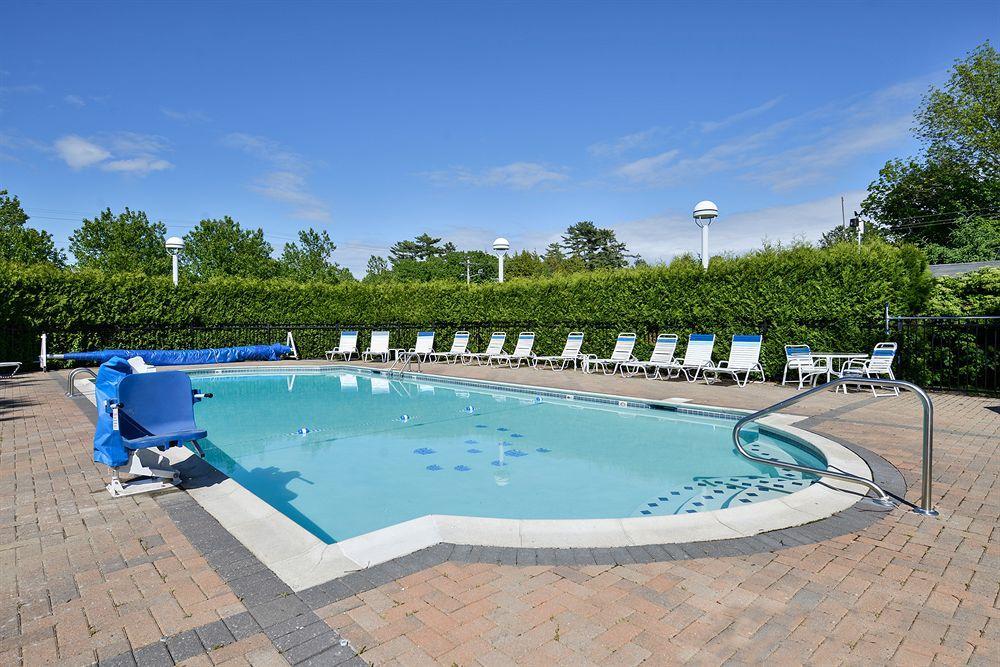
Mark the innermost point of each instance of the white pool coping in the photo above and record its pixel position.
(302, 560)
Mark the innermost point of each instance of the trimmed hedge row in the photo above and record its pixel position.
(831, 299)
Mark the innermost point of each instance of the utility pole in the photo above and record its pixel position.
(857, 222)
(468, 271)
(843, 216)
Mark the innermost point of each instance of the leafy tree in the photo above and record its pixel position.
(526, 264)
(309, 259)
(922, 200)
(975, 239)
(221, 247)
(597, 248)
(422, 247)
(123, 243)
(20, 243)
(377, 270)
(451, 267)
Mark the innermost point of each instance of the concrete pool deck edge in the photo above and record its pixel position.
(303, 561)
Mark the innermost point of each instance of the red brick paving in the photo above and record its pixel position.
(83, 576)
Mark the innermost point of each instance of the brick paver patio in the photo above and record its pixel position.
(84, 577)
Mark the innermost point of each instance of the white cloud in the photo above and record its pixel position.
(286, 182)
(629, 142)
(75, 100)
(191, 116)
(712, 126)
(122, 152)
(78, 153)
(137, 165)
(661, 237)
(21, 89)
(290, 187)
(516, 175)
(792, 152)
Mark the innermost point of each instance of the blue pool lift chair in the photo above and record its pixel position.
(154, 411)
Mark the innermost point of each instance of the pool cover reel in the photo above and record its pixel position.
(218, 355)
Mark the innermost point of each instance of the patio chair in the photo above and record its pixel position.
(422, 350)
(620, 355)
(661, 357)
(744, 357)
(522, 352)
(458, 348)
(494, 348)
(379, 347)
(875, 366)
(697, 357)
(8, 369)
(800, 359)
(347, 347)
(570, 354)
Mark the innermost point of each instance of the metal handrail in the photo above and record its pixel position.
(884, 498)
(70, 383)
(405, 358)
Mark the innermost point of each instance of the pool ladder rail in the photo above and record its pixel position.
(71, 381)
(884, 498)
(405, 359)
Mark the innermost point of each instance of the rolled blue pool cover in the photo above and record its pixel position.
(215, 355)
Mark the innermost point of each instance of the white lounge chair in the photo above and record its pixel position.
(347, 347)
(522, 352)
(875, 366)
(422, 350)
(8, 369)
(799, 358)
(570, 354)
(379, 347)
(697, 357)
(662, 357)
(458, 348)
(620, 355)
(744, 357)
(494, 348)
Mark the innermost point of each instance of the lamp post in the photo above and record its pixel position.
(705, 212)
(501, 246)
(174, 245)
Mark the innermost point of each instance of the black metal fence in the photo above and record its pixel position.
(953, 353)
(943, 353)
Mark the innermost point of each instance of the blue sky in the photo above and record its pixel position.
(378, 121)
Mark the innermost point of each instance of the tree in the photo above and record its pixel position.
(123, 243)
(923, 199)
(20, 243)
(974, 239)
(422, 247)
(221, 247)
(450, 267)
(309, 259)
(597, 248)
(377, 270)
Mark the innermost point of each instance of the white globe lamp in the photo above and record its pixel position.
(500, 247)
(174, 246)
(705, 213)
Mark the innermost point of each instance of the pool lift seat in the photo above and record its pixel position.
(154, 411)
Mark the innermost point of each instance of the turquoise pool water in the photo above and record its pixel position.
(343, 454)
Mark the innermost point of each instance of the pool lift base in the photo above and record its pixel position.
(155, 474)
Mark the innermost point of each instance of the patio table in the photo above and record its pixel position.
(843, 358)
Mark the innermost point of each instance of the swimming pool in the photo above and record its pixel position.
(343, 453)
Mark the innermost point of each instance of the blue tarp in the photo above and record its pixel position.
(108, 447)
(218, 355)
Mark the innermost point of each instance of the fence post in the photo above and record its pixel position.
(887, 318)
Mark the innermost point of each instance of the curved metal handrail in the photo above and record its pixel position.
(884, 498)
(70, 383)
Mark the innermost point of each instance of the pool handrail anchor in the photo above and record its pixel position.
(71, 382)
(927, 467)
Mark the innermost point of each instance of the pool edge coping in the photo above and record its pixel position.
(303, 561)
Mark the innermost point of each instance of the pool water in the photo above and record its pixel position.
(344, 453)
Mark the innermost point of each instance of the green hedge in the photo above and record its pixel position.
(831, 299)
